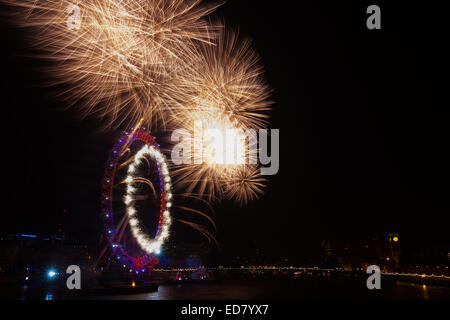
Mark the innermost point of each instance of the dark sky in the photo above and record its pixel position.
(363, 118)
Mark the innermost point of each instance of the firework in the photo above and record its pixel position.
(223, 79)
(120, 56)
(219, 151)
(246, 185)
(147, 244)
(221, 92)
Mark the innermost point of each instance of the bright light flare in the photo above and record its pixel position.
(218, 142)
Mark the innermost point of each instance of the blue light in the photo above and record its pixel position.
(51, 273)
(29, 235)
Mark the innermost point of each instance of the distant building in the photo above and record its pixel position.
(327, 255)
(25, 250)
(186, 255)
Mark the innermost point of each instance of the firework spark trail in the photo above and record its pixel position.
(222, 88)
(224, 77)
(246, 185)
(121, 61)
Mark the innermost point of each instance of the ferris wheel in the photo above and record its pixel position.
(135, 202)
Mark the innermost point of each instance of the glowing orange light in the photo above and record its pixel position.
(133, 284)
(395, 239)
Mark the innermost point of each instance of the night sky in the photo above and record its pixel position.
(363, 118)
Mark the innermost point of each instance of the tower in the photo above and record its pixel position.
(394, 247)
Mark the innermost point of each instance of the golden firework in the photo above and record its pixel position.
(221, 95)
(246, 185)
(120, 56)
(223, 79)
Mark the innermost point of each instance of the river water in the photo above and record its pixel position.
(246, 289)
(286, 289)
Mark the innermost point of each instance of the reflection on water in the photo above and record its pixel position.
(425, 292)
(49, 296)
(286, 289)
(262, 289)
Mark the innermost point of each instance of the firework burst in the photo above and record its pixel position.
(121, 57)
(221, 91)
(246, 185)
(223, 79)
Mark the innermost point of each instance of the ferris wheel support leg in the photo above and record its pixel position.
(121, 226)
